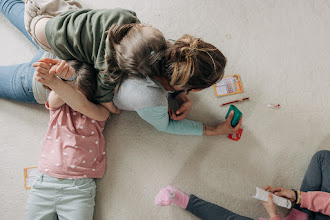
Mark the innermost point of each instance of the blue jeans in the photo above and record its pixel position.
(317, 178)
(16, 80)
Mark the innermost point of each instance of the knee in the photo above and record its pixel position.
(40, 32)
(321, 155)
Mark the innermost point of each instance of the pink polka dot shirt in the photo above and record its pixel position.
(74, 145)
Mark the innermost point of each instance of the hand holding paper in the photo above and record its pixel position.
(280, 201)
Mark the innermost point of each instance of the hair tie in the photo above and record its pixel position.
(152, 52)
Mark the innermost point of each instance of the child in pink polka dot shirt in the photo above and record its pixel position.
(73, 150)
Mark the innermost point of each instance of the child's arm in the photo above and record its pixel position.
(64, 92)
(78, 101)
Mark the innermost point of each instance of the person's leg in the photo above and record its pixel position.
(317, 176)
(198, 207)
(16, 81)
(37, 14)
(206, 210)
(40, 205)
(14, 12)
(77, 200)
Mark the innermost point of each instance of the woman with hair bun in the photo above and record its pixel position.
(188, 64)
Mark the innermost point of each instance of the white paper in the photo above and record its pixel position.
(280, 201)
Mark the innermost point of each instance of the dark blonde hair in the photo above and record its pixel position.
(192, 63)
(135, 52)
(85, 78)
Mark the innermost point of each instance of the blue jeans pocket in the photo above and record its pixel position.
(87, 187)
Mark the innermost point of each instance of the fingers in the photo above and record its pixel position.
(279, 194)
(41, 67)
(230, 116)
(238, 126)
(50, 61)
(268, 188)
(180, 114)
(41, 64)
(183, 108)
(277, 189)
(112, 108)
(39, 79)
(61, 69)
(270, 198)
(172, 114)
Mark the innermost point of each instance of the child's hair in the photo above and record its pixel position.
(192, 63)
(85, 78)
(135, 52)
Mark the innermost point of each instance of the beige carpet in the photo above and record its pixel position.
(281, 50)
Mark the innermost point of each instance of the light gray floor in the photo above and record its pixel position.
(280, 49)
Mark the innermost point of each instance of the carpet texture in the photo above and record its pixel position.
(280, 49)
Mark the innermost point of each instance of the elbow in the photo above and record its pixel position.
(161, 128)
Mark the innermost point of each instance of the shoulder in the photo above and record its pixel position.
(137, 93)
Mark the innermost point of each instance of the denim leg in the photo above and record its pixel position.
(319, 216)
(317, 177)
(14, 12)
(16, 81)
(208, 211)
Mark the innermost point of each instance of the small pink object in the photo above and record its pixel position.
(273, 106)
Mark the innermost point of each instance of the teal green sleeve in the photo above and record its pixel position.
(158, 117)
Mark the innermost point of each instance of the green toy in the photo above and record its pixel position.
(236, 117)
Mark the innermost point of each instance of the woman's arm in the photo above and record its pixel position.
(316, 201)
(159, 118)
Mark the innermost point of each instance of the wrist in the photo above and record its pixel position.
(299, 197)
(272, 214)
(54, 82)
(182, 98)
(209, 131)
(295, 196)
(73, 76)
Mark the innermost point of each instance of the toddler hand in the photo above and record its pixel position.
(42, 73)
(111, 107)
(59, 68)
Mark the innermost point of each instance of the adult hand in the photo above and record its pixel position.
(269, 205)
(42, 73)
(185, 106)
(111, 107)
(59, 68)
(286, 193)
(226, 128)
